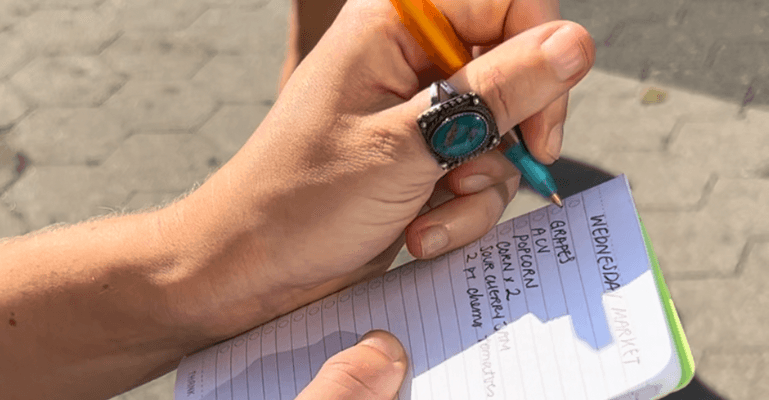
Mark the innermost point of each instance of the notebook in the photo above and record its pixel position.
(559, 303)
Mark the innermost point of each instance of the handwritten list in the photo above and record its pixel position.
(518, 314)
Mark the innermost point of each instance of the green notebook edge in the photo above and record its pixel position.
(685, 358)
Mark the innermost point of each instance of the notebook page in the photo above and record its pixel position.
(554, 304)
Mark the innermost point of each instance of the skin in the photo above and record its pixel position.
(310, 19)
(332, 183)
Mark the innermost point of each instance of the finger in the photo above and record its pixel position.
(372, 369)
(480, 173)
(522, 75)
(543, 131)
(471, 177)
(459, 221)
(486, 21)
(526, 14)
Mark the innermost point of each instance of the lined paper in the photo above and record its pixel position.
(554, 304)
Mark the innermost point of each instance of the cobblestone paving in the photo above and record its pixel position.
(109, 105)
(718, 47)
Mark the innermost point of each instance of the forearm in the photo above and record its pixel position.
(83, 313)
(100, 307)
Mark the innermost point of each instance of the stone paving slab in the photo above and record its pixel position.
(69, 81)
(50, 31)
(712, 46)
(152, 55)
(231, 126)
(154, 15)
(726, 319)
(15, 52)
(13, 11)
(230, 78)
(12, 106)
(68, 136)
(120, 105)
(162, 105)
(162, 161)
(64, 194)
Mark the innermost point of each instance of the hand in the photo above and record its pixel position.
(310, 19)
(338, 175)
(322, 195)
(373, 369)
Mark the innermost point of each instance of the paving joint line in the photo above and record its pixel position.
(735, 273)
(620, 26)
(670, 138)
(707, 190)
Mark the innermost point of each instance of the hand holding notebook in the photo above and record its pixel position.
(557, 304)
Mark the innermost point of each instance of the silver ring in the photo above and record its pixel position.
(457, 127)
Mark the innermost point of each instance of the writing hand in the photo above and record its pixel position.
(543, 130)
(338, 176)
(373, 369)
(324, 193)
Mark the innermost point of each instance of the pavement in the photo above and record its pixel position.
(118, 105)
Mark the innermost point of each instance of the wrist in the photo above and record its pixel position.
(233, 263)
(222, 281)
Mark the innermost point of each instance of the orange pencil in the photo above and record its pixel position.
(434, 34)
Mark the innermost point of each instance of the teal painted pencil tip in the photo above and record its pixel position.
(535, 173)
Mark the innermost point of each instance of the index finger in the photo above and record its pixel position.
(485, 22)
(525, 14)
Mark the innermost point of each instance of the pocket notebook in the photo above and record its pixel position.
(555, 304)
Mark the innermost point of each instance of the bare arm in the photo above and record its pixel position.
(83, 304)
(95, 309)
(320, 197)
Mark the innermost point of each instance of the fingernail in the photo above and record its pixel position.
(554, 141)
(434, 240)
(563, 52)
(384, 343)
(475, 183)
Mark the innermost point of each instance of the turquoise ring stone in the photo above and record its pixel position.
(459, 128)
(460, 135)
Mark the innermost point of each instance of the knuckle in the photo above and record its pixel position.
(494, 207)
(362, 144)
(389, 143)
(351, 377)
(390, 140)
(512, 186)
(492, 87)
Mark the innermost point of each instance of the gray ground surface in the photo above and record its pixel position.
(114, 104)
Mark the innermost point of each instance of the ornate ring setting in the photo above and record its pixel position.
(459, 128)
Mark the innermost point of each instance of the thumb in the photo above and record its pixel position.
(373, 369)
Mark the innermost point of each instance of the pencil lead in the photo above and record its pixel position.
(556, 200)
